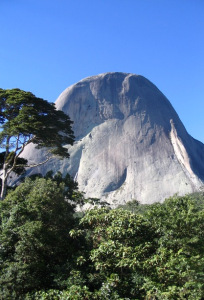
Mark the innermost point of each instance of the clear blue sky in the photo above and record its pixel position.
(47, 45)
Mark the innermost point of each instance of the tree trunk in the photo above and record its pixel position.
(5, 171)
(4, 183)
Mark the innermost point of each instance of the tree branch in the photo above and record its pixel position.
(19, 153)
(35, 165)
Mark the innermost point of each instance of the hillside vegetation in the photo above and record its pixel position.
(48, 251)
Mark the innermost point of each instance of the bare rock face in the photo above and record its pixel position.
(130, 143)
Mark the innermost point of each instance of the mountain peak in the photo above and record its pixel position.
(130, 142)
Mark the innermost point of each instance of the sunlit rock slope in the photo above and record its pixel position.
(130, 142)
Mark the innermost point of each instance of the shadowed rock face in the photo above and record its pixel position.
(130, 143)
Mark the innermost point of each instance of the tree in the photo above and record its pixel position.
(35, 244)
(70, 192)
(26, 119)
(118, 244)
(157, 255)
(175, 270)
(20, 166)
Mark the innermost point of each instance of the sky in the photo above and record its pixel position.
(48, 45)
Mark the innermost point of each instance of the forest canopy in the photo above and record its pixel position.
(48, 251)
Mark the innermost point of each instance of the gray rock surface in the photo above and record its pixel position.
(130, 143)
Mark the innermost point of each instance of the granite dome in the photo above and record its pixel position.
(130, 142)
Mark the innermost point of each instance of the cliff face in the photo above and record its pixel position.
(130, 143)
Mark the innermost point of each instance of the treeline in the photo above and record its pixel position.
(49, 251)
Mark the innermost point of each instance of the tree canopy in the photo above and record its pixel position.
(156, 254)
(48, 253)
(36, 247)
(25, 119)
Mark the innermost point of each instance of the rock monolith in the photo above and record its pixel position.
(130, 143)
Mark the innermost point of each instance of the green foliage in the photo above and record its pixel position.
(25, 116)
(176, 269)
(36, 247)
(70, 191)
(47, 253)
(19, 169)
(135, 207)
(121, 242)
(157, 255)
(74, 293)
(26, 119)
(20, 163)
